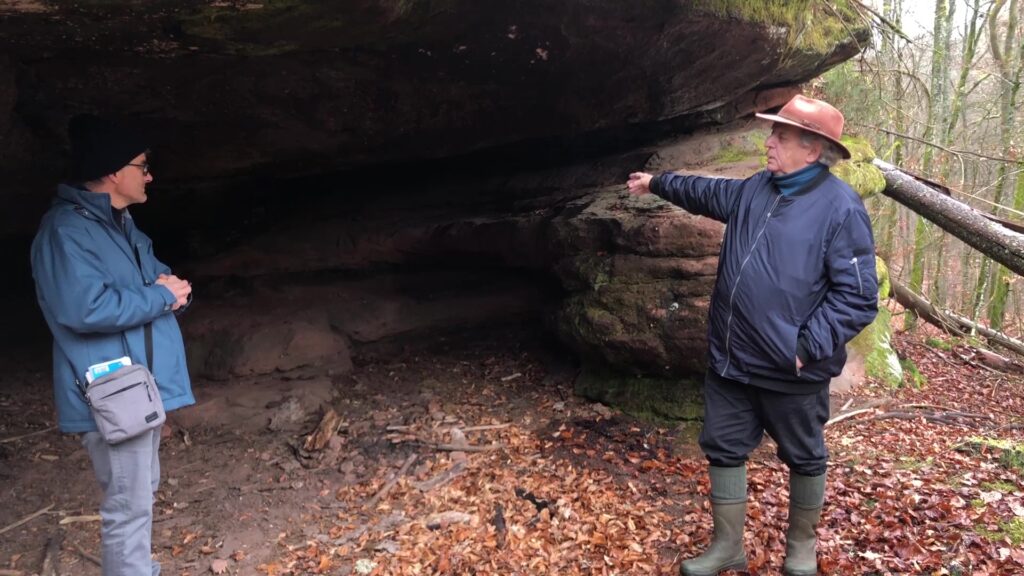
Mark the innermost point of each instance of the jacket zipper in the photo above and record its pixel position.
(732, 295)
(860, 283)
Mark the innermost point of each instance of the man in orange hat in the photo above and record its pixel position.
(796, 281)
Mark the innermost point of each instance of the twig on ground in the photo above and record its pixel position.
(81, 552)
(74, 519)
(392, 480)
(486, 427)
(5, 572)
(461, 448)
(443, 519)
(842, 417)
(944, 418)
(442, 478)
(26, 519)
(30, 434)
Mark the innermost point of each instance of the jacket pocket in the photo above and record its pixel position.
(772, 346)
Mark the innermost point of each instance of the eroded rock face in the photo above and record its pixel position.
(638, 273)
(277, 97)
(242, 91)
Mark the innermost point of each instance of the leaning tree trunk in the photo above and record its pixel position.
(950, 322)
(994, 240)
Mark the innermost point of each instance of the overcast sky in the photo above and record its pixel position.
(918, 15)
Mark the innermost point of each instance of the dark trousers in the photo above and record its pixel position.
(737, 415)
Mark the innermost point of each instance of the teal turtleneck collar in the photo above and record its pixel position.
(794, 181)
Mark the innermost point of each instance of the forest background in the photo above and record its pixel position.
(942, 102)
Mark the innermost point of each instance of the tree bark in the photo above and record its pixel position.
(995, 241)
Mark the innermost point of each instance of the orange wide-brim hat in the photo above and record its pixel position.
(812, 115)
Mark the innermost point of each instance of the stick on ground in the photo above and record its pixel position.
(30, 434)
(392, 480)
(81, 552)
(26, 519)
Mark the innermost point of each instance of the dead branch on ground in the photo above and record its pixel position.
(81, 552)
(391, 481)
(30, 434)
(26, 519)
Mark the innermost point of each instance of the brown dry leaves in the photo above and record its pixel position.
(593, 495)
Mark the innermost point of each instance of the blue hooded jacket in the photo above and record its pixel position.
(796, 276)
(97, 299)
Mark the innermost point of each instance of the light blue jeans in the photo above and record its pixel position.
(129, 474)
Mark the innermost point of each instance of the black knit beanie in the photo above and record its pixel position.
(100, 147)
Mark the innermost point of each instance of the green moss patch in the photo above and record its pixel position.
(858, 171)
(657, 400)
(913, 376)
(811, 25)
(1010, 454)
(1012, 530)
(938, 343)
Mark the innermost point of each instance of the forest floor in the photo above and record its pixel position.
(470, 455)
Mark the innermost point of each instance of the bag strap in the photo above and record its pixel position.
(149, 325)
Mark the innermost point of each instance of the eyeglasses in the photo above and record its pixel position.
(144, 166)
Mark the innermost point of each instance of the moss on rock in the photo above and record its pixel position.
(858, 172)
(874, 343)
(656, 400)
(815, 26)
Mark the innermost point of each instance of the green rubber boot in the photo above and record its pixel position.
(806, 496)
(729, 510)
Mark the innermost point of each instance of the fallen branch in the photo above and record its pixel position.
(27, 519)
(994, 240)
(997, 362)
(328, 427)
(74, 519)
(842, 417)
(949, 321)
(442, 478)
(4, 572)
(867, 407)
(444, 519)
(461, 447)
(392, 480)
(947, 419)
(385, 524)
(30, 434)
(946, 410)
(486, 427)
(81, 552)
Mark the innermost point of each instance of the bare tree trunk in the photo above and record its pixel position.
(1009, 63)
(972, 32)
(966, 223)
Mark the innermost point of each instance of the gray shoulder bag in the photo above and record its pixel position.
(126, 402)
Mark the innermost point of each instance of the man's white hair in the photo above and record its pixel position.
(830, 153)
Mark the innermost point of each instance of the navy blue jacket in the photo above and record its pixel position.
(796, 275)
(97, 299)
